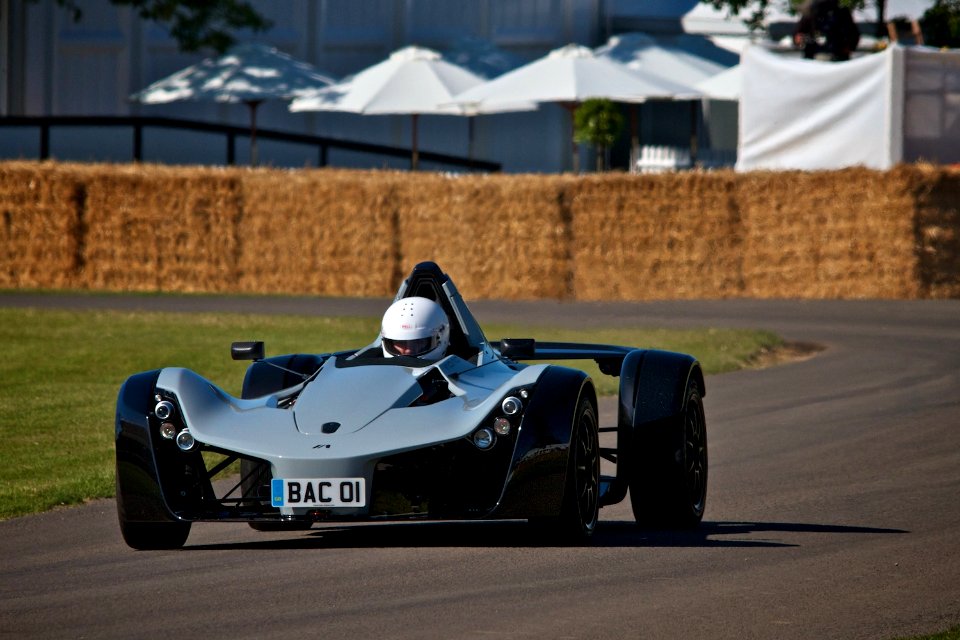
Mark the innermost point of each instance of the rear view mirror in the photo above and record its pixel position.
(247, 350)
(518, 348)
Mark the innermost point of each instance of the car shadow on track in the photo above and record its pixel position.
(609, 534)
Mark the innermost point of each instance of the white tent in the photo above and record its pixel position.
(642, 52)
(413, 81)
(570, 75)
(723, 86)
(250, 73)
(901, 105)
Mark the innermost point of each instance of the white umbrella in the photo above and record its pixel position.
(723, 86)
(248, 73)
(412, 81)
(568, 76)
(641, 52)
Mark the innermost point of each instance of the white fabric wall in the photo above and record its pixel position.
(807, 114)
(901, 105)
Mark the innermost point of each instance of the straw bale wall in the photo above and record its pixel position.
(937, 228)
(39, 228)
(330, 233)
(649, 237)
(847, 234)
(162, 229)
(501, 237)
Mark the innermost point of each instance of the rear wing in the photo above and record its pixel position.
(608, 357)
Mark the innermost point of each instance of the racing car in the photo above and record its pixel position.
(485, 430)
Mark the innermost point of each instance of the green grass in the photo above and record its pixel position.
(61, 371)
(950, 634)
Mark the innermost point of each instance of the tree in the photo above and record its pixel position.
(758, 9)
(598, 122)
(941, 24)
(194, 24)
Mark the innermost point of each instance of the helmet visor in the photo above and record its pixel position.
(409, 347)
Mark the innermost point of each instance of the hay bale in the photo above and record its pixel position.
(655, 237)
(41, 225)
(152, 228)
(841, 234)
(937, 223)
(321, 232)
(499, 236)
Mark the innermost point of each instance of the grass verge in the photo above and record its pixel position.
(62, 369)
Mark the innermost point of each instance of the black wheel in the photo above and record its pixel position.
(154, 535)
(581, 496)
(668, 484)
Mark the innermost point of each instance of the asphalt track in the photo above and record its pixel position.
(833, 512)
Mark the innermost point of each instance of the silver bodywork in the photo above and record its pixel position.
(370, 403)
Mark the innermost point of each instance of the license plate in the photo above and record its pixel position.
(318, 492)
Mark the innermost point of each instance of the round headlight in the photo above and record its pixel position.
(501, 426)
(484, 438)
(164, 409)
(186, 441)
(168, 430)
(511, 405)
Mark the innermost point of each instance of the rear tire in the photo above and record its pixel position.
(668, 484)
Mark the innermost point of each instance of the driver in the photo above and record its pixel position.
(415, 327)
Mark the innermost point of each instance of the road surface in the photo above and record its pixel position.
(833, 512)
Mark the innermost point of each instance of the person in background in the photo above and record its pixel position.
(826, 31)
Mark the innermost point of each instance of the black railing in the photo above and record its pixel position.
(231, 132)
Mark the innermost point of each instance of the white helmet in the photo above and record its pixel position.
(415, 327)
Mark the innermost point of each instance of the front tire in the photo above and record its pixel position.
(668, 485)
(148, 536)
(580, 510)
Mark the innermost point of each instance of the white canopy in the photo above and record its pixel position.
(572, 74)
(900, 105)
(412, 81)
(723, 86)
(246, 73)
(642, 52)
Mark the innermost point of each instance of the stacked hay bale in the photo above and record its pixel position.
(843, 234)
(41, 233)
(937, 201)
(503, 237)
(322, 232)
(154, 228)
(655, 237)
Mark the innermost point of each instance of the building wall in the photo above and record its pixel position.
(56, 66)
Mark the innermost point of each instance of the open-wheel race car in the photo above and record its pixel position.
(432, 422)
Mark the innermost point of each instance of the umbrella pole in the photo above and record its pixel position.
(253, 104)
(571, 107)
(414, 155)
(634, 136)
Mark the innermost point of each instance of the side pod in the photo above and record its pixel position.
(535, 483)
(139, 496)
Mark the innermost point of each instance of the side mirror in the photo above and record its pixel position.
(518, 348)
(247, 350)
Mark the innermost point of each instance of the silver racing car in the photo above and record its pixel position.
(430, 421)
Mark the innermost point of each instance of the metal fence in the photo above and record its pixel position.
(47, 126)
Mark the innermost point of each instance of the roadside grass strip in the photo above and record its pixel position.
(61, 372)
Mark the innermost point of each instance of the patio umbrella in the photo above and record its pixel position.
(723, 86)
(568, 76)
(412, 81)
(248, 73)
